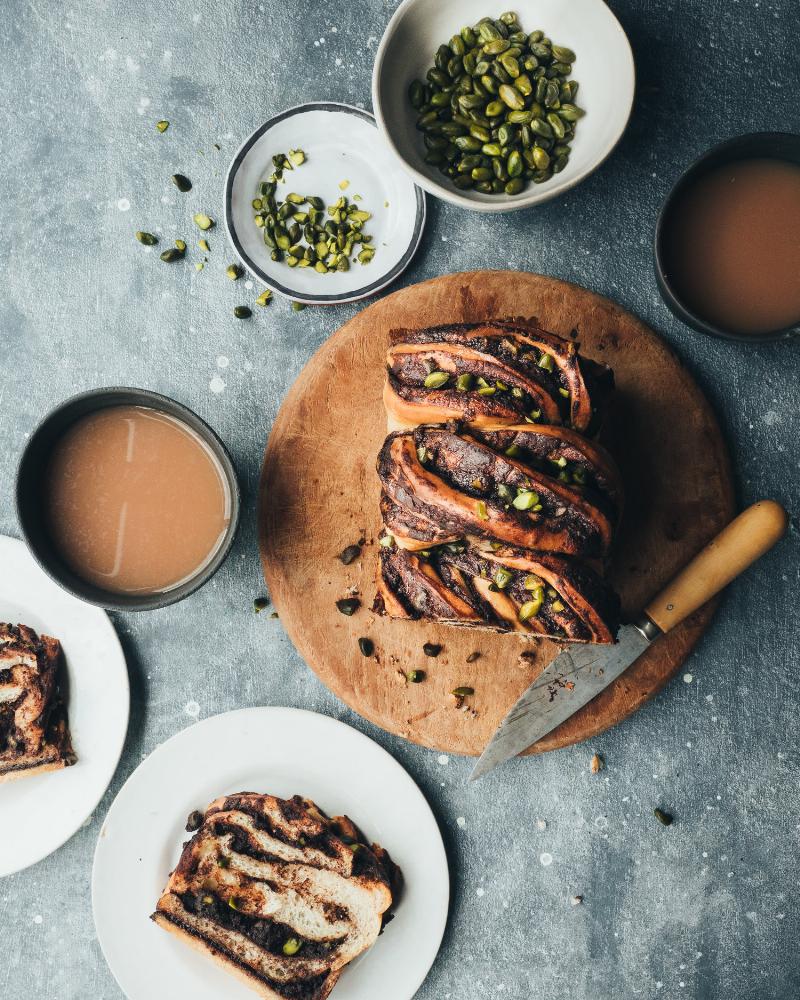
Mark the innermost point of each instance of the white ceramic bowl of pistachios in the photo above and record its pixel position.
(495, 122)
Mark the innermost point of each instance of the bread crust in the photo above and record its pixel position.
(230, 966)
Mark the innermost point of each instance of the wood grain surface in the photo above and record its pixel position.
(319, 493)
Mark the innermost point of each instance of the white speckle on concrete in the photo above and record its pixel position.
(541, 824)
(196, 17)
(191, 708)
(123, 205)
(222, 361)
(338, 61)
(443, 760)
(546, 859)
(217, 385)
(771, 418)
(248, 366)
(248, 285)
(688, 678)
(38, 918)
(131, 64)
(461, 821)
(752, 916)
(144, 104)
(480, 892)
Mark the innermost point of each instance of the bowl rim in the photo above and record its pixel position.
(46, 556)
(706, 160)
(505, 203)
(257, 272)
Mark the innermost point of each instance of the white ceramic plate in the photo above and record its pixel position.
(603, 68)
(341, 143)
(282, 751)
(38, 814)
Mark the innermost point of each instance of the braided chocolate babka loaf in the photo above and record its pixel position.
(498, 511)
(491, 373)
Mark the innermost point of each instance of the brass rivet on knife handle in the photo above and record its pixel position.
(735, 548)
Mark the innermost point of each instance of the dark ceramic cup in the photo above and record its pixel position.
(29, 494)
(771, 145)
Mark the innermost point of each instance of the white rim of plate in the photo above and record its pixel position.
(454, 196)
(111, 754)
(386, 759)
(276, 286)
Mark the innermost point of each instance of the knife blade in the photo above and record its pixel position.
(579, 673)
(574, 677)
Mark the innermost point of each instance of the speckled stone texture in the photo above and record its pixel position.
(706, 908)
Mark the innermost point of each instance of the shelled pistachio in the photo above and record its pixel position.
(301, 231)
(497, 107)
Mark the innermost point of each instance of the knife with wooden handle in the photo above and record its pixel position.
(579, 673)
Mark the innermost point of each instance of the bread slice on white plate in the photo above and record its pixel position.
(283, 896)
(34, 734)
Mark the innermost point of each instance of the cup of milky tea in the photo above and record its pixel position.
(127, 499)
(727, 244)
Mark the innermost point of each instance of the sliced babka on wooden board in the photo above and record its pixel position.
(320, 494)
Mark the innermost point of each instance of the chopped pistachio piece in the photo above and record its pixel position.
(202, 221)
(242, 312)
(348, 606)
(146, 238)
(297, 157)
(234, 272)
(181, 245)
(182, 183)
(162, 126)
(203, 244)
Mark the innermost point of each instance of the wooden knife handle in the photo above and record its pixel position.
(735, 548)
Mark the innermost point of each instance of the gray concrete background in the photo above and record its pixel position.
(705, 909)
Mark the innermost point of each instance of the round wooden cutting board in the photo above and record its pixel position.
(319, 493)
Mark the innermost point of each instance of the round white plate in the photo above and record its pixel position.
(341, 143)
(38, 814)
(604, 69)
(283, 752)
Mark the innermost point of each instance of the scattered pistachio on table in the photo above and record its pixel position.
(148, 239)
(259, 604)
(162, 126)
(182, 183)
(415, 676)
(597, 764)
(234, 272)
(264, 298)
(202, 221)
(664, 818)
(242, 312)
(432, 648)
(367, 646)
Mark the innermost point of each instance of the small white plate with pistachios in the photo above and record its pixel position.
(318, 209)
